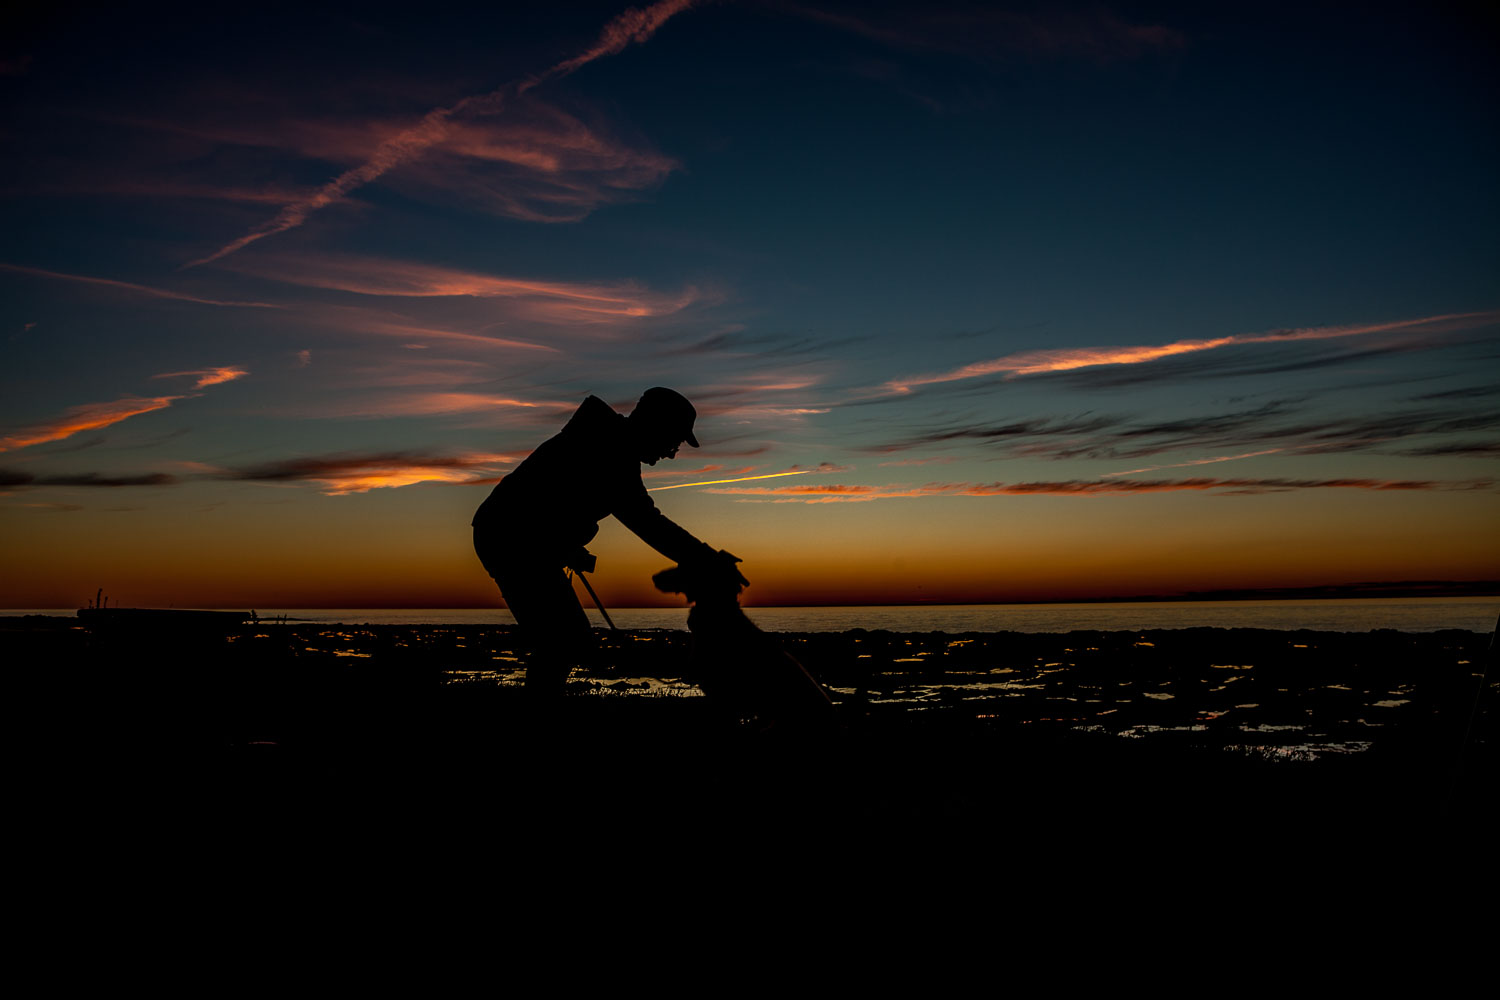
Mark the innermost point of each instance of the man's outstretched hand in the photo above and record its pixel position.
(709, 574)
(723, 563)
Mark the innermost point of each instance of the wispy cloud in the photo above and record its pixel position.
(633, 25)
(548, 301)
(537, 164)
(1279, 425)
(664, 473)
(767, 410)
(93, 416)
(88, 417)
(11, 477)
(1072, 427)
(127, 286)
(410, 404)
(1476, 449)
(419, 370)
(1466, 392)
(341, 474)
(434, 128)
(759, 384)
(776, 394)
(156, 186)
(1072, 358)
(844, 493)
(336, 474)
(1196, 461)
(920, 461)
(364, 321)
(1248, 485)
(208, 376)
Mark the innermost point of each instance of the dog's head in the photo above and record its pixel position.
(714, 580)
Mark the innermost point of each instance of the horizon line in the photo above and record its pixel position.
(1412, 591)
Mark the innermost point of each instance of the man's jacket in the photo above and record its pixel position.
(551, 505)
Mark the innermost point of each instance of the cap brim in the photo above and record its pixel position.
(692, 440)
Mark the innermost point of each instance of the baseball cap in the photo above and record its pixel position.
(668, 410)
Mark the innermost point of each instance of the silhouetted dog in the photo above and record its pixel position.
(740, 666)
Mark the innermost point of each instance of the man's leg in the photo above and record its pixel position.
(544, 604)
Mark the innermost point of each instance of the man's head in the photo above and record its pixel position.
(661, 421)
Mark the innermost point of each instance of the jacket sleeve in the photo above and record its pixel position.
(638, 513)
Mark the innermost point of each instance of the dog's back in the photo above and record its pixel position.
(739, 665)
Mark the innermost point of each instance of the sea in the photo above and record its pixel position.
(1405, 614)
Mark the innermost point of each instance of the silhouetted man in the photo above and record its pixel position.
(535, 523)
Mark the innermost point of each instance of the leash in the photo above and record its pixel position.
(594, 597)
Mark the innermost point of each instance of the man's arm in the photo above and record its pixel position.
(642, 516)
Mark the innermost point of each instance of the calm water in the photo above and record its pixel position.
(1419, 614)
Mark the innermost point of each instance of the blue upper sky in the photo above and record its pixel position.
(264, 268)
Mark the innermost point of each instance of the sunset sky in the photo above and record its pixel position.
(977, 302)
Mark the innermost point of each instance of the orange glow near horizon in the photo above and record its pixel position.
(340, 551)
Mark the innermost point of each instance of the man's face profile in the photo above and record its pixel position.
(658, 448)
(661, 423)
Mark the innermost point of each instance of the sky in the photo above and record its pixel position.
(977, 302)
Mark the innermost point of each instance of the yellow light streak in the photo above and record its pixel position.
(742, 479)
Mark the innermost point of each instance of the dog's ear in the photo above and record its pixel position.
(672, 580)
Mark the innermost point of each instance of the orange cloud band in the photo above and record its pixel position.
(1068, 359)
(88, 417)
(208, 376)
(836, 493)
(340, 475)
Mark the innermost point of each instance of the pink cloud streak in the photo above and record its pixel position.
(551, 168)
(208, 376)
(536, 162)
(556, 301)
(844, 493)
(359, 320)
(431, 404)
(344, 474)
(160, 293)
(88, 417)
(1068, 359)
(630, 26)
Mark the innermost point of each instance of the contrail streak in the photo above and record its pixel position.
(631, 26)
(160, 293)
(742, 479)
(1196, 461)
